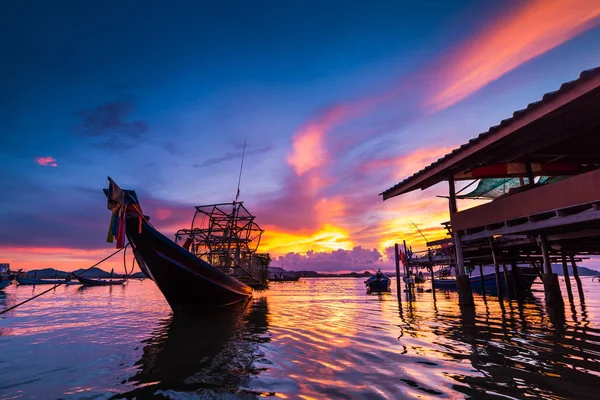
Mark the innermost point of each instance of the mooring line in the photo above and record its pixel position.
(62, 283)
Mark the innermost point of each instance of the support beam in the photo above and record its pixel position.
(554, 301)
(514, 269)
(482, 280)
(506, 280)
(566, 275)
(577, 279)
(496, 269)
(545, 254)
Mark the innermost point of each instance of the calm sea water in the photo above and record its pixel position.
(316, 338)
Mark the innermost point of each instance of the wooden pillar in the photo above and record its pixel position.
(481, 277)
(554, 301)
(545, 254)
(463, 283)
(577, 279)
(406, 267)
(566, 275)
(506, 279)
(460, 262)
(516, 277)
(431, 272)
(496, 269)
(398, 291)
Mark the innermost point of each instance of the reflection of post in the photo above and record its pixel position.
(577, 279)
(398, 292)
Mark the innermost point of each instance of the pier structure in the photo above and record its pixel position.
(539, 171)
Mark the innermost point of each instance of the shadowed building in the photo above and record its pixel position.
(540, 169)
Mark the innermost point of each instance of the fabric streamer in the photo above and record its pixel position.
(111, 238)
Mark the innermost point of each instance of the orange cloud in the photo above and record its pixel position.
(515, 38)
(327, 238)
(46, 161)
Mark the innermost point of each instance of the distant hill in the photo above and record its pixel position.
(583, 271)
(47, 273)
(96, 273)
(92, 273)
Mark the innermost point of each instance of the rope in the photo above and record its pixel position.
(59, 284)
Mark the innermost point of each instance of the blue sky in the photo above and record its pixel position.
(161, 96)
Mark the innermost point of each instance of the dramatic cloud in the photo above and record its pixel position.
(518, 36)
(46, 161)
(111, 122)
(356, 258)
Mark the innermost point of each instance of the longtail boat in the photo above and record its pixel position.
(217, 263)
(27, 280)
(378, 283)
(99, 282)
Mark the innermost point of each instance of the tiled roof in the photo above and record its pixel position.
(565, 87)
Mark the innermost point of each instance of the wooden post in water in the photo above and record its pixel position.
(431, 272)
(398, 291)
(482, 280)
(506, 281)
(514, 269)
(566, 275)
(406, 267)
(463, 283)
(577, 279)
(496, 269)
(551, 286)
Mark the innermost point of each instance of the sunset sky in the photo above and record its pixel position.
(338, 101)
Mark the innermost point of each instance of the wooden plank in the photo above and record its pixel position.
(585, 216)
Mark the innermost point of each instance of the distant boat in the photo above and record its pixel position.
(527, 276)
(217, 263)
(284, 278)
(99, 282)
(378, 283)
(25, 280)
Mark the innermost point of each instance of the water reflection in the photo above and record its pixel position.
(317, 338)
(203, 353)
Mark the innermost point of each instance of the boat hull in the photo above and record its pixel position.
(378, 285)
(186, 281)
(526, 278)
(5, 280)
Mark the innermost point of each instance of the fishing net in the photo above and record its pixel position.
(492, 188)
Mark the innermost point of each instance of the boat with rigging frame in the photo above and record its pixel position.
(217, 263)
